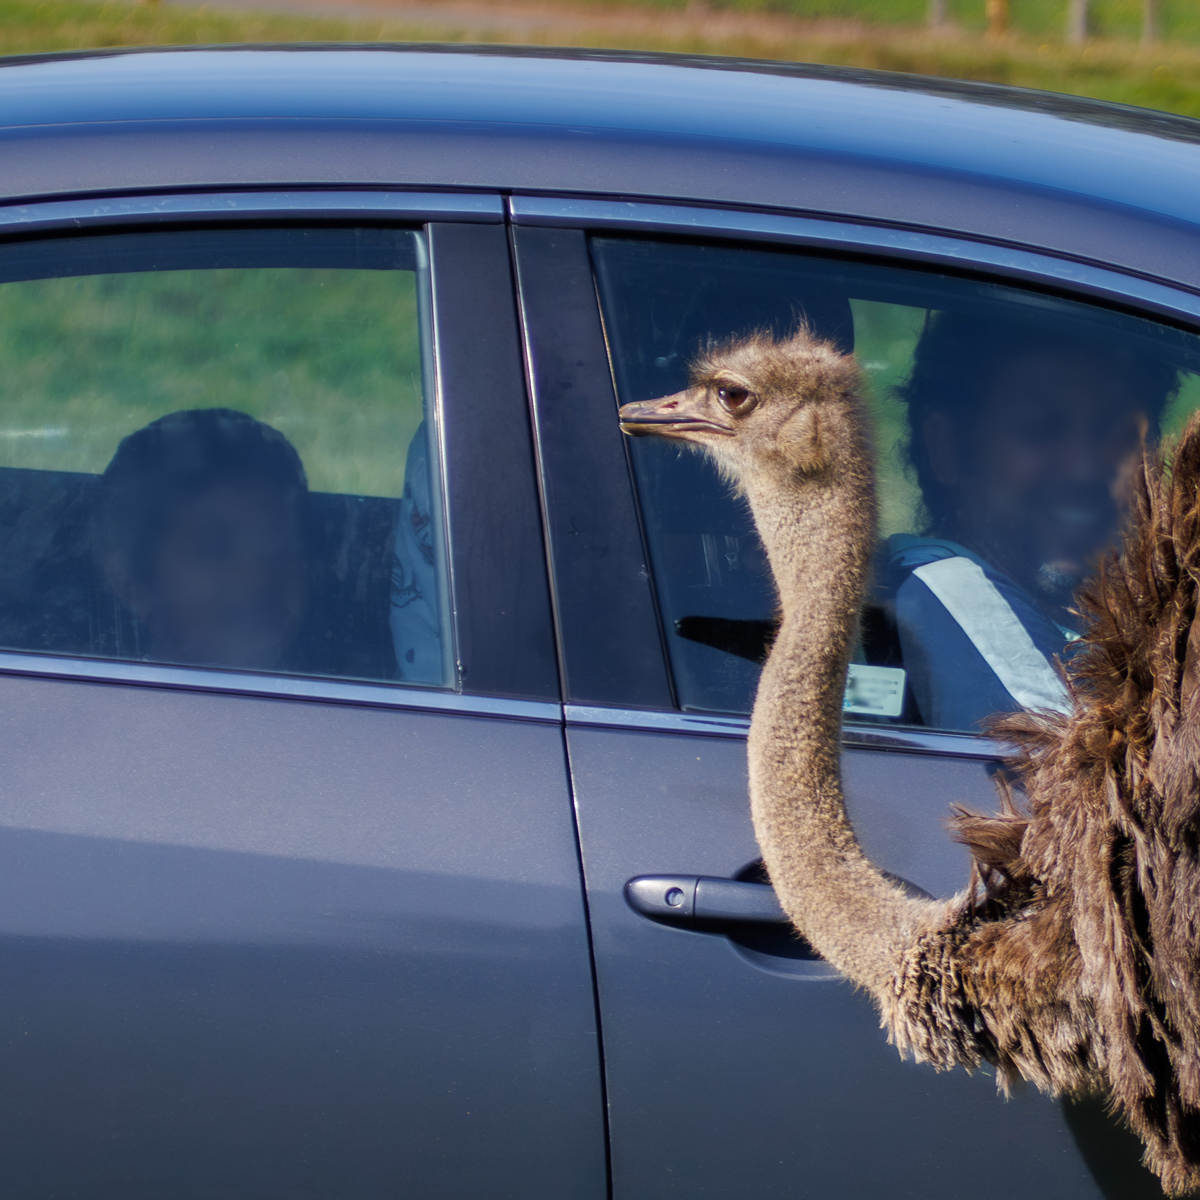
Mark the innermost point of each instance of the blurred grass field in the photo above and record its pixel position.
(330, 358)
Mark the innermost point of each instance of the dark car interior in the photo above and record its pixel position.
(665, 301)
(671, 299)
(154, 352)
(53, 598)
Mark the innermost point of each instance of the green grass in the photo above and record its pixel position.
(328, 357)
(37, 26)
(67, 24)
(885, 336)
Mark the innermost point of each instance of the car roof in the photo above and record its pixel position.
(979, 159)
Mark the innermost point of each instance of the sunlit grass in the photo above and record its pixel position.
(885, 336)
(1179, 20)
(28, 27)
(328, 357)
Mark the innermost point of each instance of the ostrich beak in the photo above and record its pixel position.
(680, 415)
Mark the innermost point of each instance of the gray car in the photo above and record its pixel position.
(373, 715)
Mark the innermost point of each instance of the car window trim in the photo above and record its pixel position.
(1096, 282)
(854, 737)
(499, 585)
(1081, 277)
(277, 687)
(561, 320)
(609, 638)
(484, 669)
(324, 205)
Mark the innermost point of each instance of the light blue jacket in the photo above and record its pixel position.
(973, 642)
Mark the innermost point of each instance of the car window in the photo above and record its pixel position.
(1007, 423)
(216, 450)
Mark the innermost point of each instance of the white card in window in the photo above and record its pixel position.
(874, 691)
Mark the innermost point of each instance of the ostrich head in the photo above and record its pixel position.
(761, 407)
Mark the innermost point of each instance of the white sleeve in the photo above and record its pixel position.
(996, 632)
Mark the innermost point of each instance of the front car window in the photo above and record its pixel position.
(216, 449)
(1007, 425)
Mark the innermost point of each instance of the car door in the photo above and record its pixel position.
(737, 1062)
(290, 901)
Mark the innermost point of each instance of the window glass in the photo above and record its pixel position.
(1006, 425)
(215, 450)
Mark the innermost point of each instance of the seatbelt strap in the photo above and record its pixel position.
(988, 620)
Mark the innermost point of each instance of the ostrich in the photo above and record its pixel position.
(1071, 960)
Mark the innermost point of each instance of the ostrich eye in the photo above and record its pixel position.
(736, 399)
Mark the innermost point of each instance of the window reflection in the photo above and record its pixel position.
(213, 452)
(1007, 427)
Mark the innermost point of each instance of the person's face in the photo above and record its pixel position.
(1048, 459)
(228, 584)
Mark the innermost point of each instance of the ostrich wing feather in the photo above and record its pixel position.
(1108, 845)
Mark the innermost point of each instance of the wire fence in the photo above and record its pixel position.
(1081, 19)
(1070, 21)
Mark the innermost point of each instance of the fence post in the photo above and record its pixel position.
(1077, 21)
(997, 17)
(1150, 29)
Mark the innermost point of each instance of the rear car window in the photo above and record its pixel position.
(1007, 425)
(216, 449)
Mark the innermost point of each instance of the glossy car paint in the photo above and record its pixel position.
(732, 1067)
(256, 947)
(735, 1071)
(973, 159)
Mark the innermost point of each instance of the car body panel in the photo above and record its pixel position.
(734, 1071)
(266, 947)
(768, 136)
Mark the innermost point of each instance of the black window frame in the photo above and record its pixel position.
(566, 345)
(499, 591)
(610, 643)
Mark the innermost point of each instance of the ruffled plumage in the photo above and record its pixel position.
(1104, 847)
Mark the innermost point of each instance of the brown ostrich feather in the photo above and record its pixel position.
(1102, 862)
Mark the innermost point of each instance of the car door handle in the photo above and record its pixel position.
(687, 898)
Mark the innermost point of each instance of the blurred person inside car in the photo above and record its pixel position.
(1023, 439)
(200, 533)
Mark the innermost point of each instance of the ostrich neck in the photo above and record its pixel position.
(818, 535)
